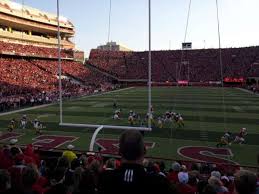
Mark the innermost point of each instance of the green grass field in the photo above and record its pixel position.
(203, 110)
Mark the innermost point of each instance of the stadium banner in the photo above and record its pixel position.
(183, 82)
(186, 45)
(234, 80)
(215, 82)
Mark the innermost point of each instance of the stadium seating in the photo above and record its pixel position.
(23, 77)
(197, 65)
(25, 80)
(30, 50)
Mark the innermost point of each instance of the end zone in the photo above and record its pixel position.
(207, 154)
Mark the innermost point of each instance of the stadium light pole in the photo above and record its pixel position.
(59, 68)
(149, 64)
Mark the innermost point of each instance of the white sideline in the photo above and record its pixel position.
(100, 94)
(247, 91)
(25, 109)
(46, 105)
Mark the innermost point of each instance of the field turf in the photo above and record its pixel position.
(206, 112)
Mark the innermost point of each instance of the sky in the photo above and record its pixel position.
(239, 21)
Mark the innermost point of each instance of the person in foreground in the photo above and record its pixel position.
(131, 177)
(245, 182)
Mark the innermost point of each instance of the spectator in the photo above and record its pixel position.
(57, 182)
(5, 182)
(29, 178)
(16, 171)
(217, 185)
(225, 181)
(201, 186)
(183, 186)
(6, 158)
(193, 179)
(31, 156)
(216, 174)
(77, 176)
(173, 173)
(86, 184)
(257, 183)
(208, 189)
(69, 154)
(96, 168)
(69, 176)
(63, 163)
(245, 182)
(131, 176)
(110, 164)
(161, 165)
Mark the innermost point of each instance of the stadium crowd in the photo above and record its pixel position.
(201, 65)
(28, 80)
(24, 171)
(34, 81)
(32, 50)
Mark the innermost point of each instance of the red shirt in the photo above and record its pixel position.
(41, 185)
(186, 189)
(16, 173)
(173, 177)
(6, 161)
(32, 157)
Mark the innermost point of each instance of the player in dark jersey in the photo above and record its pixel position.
(11, 125)
(168, 116)
(225, 139)
(115, 104)
(178, 119)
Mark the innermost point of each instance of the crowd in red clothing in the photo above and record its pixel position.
(33, 50)
(200, 65)
(25, 171)
(26, 81)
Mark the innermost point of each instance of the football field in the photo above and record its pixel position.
(207, 112)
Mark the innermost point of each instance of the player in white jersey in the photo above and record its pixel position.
(131, 120)
(23, 122)
(160, 122)
(240, 138)
(37, 125)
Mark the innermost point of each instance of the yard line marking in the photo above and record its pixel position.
(203, 135)
(237, 108)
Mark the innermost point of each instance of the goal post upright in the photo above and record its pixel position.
(99, 127)
(91, 147)
(149, 65)
(59, 68)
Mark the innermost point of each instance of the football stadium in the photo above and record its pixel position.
(111, 119)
